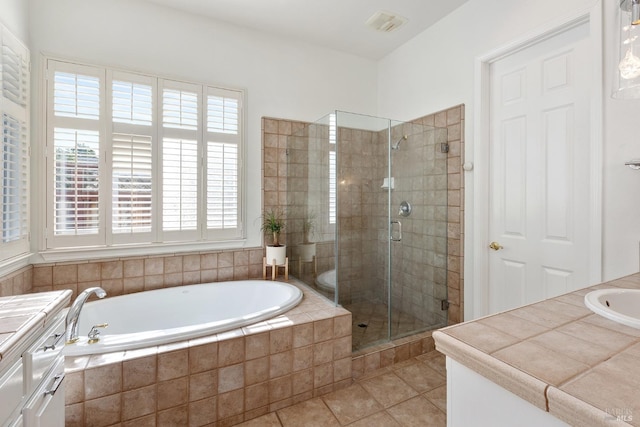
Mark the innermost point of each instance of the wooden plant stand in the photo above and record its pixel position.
(274, 268)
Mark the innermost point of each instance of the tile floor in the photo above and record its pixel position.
(369, 319)
(411, 393)
(374, 315)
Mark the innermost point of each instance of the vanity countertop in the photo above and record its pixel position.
(558, 355)
(22, 316)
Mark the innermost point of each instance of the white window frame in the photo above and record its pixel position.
(106, 242)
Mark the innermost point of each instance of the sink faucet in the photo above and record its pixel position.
(71, 332)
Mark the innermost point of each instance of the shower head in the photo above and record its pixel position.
(397, 144)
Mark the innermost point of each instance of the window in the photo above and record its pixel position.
(140, 159)
(14, 164)
(333, 173)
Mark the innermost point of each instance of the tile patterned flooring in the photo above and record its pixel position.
(374, 315)
(411, 393)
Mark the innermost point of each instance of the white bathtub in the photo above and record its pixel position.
(327, 280)
(168, 315)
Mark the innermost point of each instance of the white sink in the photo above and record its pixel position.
(619, 305)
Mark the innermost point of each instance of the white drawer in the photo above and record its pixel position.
(11, 391)
(39, 358)
(46, 407)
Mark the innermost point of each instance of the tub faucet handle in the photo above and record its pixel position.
(94, 332)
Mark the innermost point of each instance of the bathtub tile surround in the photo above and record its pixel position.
(225, 379)
(136, 274)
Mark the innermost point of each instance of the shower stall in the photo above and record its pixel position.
(367, 221)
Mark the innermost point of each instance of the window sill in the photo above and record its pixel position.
(124, 251)
(11, 265)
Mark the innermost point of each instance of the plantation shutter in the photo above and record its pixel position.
(14, 166)
(223, 136)
(77, 95)
(132, 140)
(14, 179)
(135, 159)
(181, 134)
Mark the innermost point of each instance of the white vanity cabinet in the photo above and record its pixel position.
(473, 400)
(11, 391)
(45, 407)
(31, 360)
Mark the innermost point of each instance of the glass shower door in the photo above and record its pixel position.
(418, 228)
(362, 238)
(367, 221)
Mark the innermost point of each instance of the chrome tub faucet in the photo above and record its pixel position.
(71, 332)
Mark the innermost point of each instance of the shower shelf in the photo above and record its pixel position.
(388, 184)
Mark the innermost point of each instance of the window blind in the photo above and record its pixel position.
(76, 181)
(222, 185)
(132, 183)
(76, 95)
(332, 187)
(223, 158)
(168, 151)
(179, 184)
(14, 179)
(132, 103)
(14, 146)
(15, 74)
(180, 109)
(132, 158)
(222, 114)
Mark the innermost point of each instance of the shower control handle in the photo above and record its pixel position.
(398, 237)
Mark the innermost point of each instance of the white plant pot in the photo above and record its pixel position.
(306, 251)
(279, 253)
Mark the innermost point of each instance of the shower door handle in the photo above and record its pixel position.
(398, 237)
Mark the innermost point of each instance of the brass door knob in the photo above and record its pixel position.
(496, 246)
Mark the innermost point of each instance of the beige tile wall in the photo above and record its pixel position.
(419, 261)
(359, 164)
(453, 120)
(135, 274)
(17, 283)
(308, 197)
(275, 134)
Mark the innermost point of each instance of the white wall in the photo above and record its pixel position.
(283, 78)
(14, 14)
(437, 68)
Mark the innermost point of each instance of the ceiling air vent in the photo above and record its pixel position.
(386, 21)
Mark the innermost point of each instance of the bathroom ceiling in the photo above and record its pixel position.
(334, 24)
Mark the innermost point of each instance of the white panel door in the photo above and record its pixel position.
(539, 171)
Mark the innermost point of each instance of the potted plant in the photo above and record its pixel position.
(308, 227)
(273, 224)
(308, 247)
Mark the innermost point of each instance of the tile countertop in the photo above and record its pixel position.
(558, 355)
(23, 316)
